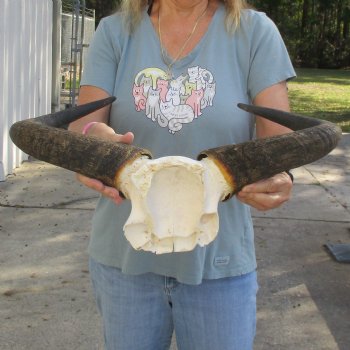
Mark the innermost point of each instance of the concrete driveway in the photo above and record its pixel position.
(45, 296)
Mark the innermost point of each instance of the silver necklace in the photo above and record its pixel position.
(169, 65)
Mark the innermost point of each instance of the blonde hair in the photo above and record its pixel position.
(133, 12)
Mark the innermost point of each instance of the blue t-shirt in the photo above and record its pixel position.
(194, 110)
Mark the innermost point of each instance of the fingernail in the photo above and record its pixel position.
(118, 200)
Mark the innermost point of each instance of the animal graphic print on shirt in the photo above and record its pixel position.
(171, 103)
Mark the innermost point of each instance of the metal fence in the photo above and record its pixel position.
(25, 69)
(67, 35)
(77, 29)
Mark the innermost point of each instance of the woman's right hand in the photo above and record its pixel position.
(104, 131)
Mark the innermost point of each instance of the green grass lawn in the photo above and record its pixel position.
(323, 94)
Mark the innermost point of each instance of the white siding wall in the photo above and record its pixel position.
(25, 69)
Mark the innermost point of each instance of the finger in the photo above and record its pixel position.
(113, 194)
(263, 201)
(250, 202)
(267, 198)
(125, 138)
(109, 192)
(105, 131)
(265, 186)
(255, 205)
(91, 183)
(277, 183)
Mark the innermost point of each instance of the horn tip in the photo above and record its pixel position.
(109, 100)
(243, 106)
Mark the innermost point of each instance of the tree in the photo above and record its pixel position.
(102, 7)
(316, 32)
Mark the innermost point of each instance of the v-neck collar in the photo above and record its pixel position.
(194, 52)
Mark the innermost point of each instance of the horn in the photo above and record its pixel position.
(44, 139)
(259, 159)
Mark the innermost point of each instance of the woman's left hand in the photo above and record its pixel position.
(267, 194)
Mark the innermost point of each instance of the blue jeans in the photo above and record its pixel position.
(141, 312)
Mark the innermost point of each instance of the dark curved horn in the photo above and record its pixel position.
(259, 159)
(91, 156)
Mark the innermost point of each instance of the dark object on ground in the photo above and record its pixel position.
(340, 251)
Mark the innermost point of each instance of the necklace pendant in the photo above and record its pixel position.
(169, 74)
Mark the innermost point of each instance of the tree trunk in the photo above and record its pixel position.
(305, 17)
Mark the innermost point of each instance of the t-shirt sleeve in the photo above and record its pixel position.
(102, 59)
(269, 59)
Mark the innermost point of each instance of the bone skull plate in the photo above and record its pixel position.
(174, 203)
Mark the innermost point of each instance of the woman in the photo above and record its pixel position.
(178, 69)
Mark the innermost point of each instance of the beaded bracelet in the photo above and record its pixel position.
(87, 127)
